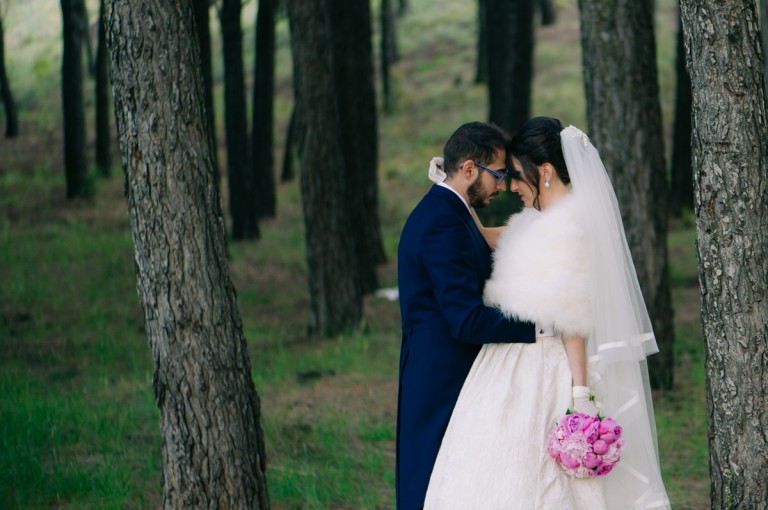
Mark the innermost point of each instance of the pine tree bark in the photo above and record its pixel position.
(764, 33)
(730, 157)
(262, 134)
(351, 32)
(213, 446)
(510, 49)
(624, 118)
(11, 117)
(681, 189)
(202, 10)
(242, 207)
(72, 99)
(335, 293)
(103, 130)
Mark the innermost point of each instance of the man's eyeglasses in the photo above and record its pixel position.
(499, 176)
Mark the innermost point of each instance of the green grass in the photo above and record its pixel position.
(78, 422)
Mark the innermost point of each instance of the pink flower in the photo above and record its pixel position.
(592, 431)
(571, 422)
(592, 461)
(600, 447)
(607, 425)
(603, 470)
(568, 461)
(617, 431)
(608, 437)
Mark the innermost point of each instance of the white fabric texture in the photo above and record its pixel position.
(548, 266)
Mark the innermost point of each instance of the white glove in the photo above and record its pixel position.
(582, 402)
(545, 329)
(436, 173)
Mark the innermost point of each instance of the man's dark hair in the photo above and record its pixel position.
(477, 141)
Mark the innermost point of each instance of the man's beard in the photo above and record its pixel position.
(478, 198)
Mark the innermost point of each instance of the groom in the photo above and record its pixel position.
(443, 263)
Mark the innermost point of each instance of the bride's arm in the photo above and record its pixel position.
(577, 358)
(491, 234)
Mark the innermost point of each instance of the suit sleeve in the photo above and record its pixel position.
(456, 286)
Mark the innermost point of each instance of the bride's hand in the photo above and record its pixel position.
(582, 401)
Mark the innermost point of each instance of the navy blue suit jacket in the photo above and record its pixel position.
(443, 263)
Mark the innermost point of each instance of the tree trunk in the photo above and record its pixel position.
(262, 137)
(402, 8)
(242, 205)
(336, 300)
(202, 12)
(510, 49)
(481, 75)
(548, 12)
(731, 195)
(103, 131)
(213, 445)
(72, 99)
(624, 118)
(11, 117)
(353, 64)
(764, 32)
(387, 26)
(85, 30)
(682, 168)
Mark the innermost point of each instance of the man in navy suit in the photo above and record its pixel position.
(443, 263)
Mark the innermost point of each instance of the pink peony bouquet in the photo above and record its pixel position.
(586, 446)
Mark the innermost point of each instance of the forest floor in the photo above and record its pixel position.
(78, 422)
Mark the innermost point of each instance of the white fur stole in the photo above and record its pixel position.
(540, 269)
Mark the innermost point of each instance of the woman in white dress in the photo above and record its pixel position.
(563, 263)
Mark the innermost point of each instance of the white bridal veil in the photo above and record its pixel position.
(622, 335)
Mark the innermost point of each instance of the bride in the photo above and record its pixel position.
(562, 262)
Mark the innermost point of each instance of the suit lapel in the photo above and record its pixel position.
(461, 209)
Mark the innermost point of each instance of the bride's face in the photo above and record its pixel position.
(521, 186)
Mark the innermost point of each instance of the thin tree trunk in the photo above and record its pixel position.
(351, 32)
(287, 173)
(624, 118)
(731, 196)
(336, 299)
(85, 30)
(242, 206)
(510, 49)
(202, 12)
(548, 12)
(72, 99)
(103, 131)
(402, 7)
(481, 75)
(11, 117)
(213, 445)
(682, 168)
(262, 137)
(389, 30)
(385, 56)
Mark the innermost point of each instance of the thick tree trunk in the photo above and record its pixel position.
(242, 206)
(681, 196)
(481, 74)
(335, 293)
(103, 131)
(764, 32)
(510, 50)
(353, 64)
(262, 136)
(385, 55)
(202, 12)
(624, 118)
(11, 117)
(72, 99)
(730, 157)
(213, 446)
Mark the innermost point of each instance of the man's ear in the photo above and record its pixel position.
(467, 168)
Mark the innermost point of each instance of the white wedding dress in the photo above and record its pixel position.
(493, 454)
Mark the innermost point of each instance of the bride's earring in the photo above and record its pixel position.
(546, 184)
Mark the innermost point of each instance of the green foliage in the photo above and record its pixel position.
(78, 422)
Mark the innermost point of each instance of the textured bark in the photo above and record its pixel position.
(681, 189)
(510, 51)
(764, 32)
(242, 207)
(11, 117)
(72, 99)
(730, 158)
(103, 130)
(213, 446)
(386, 21)
(202, 13)
(353, 65)
(335, 294)
(262, 134)
(624, 118)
